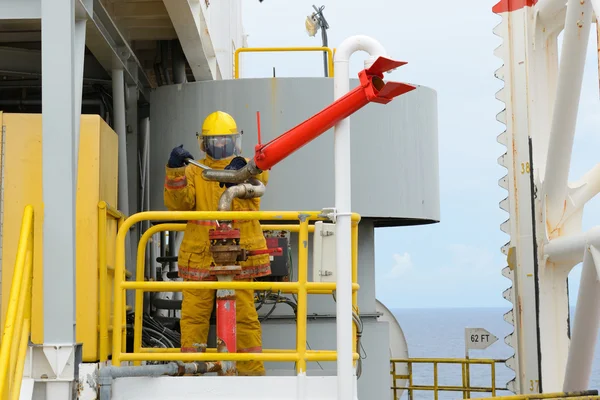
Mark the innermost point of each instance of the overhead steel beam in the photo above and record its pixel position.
(111, 49)
(103, 38)
(26, 62)
(192, 30)
(22, 9)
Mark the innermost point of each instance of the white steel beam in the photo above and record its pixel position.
(118, 91)
(133, 178)
(190, 24)
(32, 9)
(103, 38)
(62, 80)
(564, 118)
(587, 322)
(28, 62)
(556, 205)
(21, 9)
(522, 101)
(542, 108)
(60, 127)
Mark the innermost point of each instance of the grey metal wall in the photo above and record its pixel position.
(394, 146)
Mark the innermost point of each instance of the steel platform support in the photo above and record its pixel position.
(63, 45)
(542, 97)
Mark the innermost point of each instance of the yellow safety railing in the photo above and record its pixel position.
(15, 338)
(465, 387)
(106, 213)
(302, 287)
(178, 227)
(236, 64)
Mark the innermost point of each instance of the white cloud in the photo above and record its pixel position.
(402, 265)
(454, 275)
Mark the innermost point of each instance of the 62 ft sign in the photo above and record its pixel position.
(478, 338)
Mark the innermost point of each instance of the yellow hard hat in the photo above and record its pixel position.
(220, 137)
(219, 123)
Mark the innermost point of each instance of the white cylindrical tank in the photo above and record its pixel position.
(395, 176)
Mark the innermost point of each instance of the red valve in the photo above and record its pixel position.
(266, 251)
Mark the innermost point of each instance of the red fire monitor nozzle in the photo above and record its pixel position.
(371, 89)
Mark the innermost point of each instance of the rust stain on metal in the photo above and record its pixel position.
(228, 368)
(556, 230)
(520, 309)
(221, 346)
(213, 366)
(226, 294)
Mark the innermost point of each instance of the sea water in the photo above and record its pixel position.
(440, 333)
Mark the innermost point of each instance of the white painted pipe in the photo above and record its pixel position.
(343, 193)
(145, 180)
(547, 9)
(587, 187)
(569, 249)
(585, 329)
(596, 8)
(118, 86)
(564, 118)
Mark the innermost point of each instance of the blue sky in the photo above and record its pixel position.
(456, 263)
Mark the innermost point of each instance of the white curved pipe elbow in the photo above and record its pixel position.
(357, 43)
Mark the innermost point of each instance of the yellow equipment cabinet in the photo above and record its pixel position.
(21, 174)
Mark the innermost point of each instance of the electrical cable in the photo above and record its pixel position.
(155, 334)
(359, 331)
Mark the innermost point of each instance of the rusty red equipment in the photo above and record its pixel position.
(227, 254)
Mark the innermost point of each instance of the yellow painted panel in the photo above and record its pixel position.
(96, 181)
(108, 192)
(87, 227)
(22, 185)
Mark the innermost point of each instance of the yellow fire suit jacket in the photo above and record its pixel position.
(186, 190)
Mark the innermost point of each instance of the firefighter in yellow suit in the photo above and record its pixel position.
(186, 190)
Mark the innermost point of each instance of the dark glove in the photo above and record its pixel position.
(235, 164)
(178, 156)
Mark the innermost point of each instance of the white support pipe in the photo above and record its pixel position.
(569, 249)
(118, 92)
(583, 191)
(145, 178)
(118, 86)
(570, 77)
(586, 188)
(587, 322)
(596, 8)
(343, 193)
(547, 9)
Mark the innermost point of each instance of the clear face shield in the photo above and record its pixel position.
(219, 147)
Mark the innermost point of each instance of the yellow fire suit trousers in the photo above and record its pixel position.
(196, 309)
